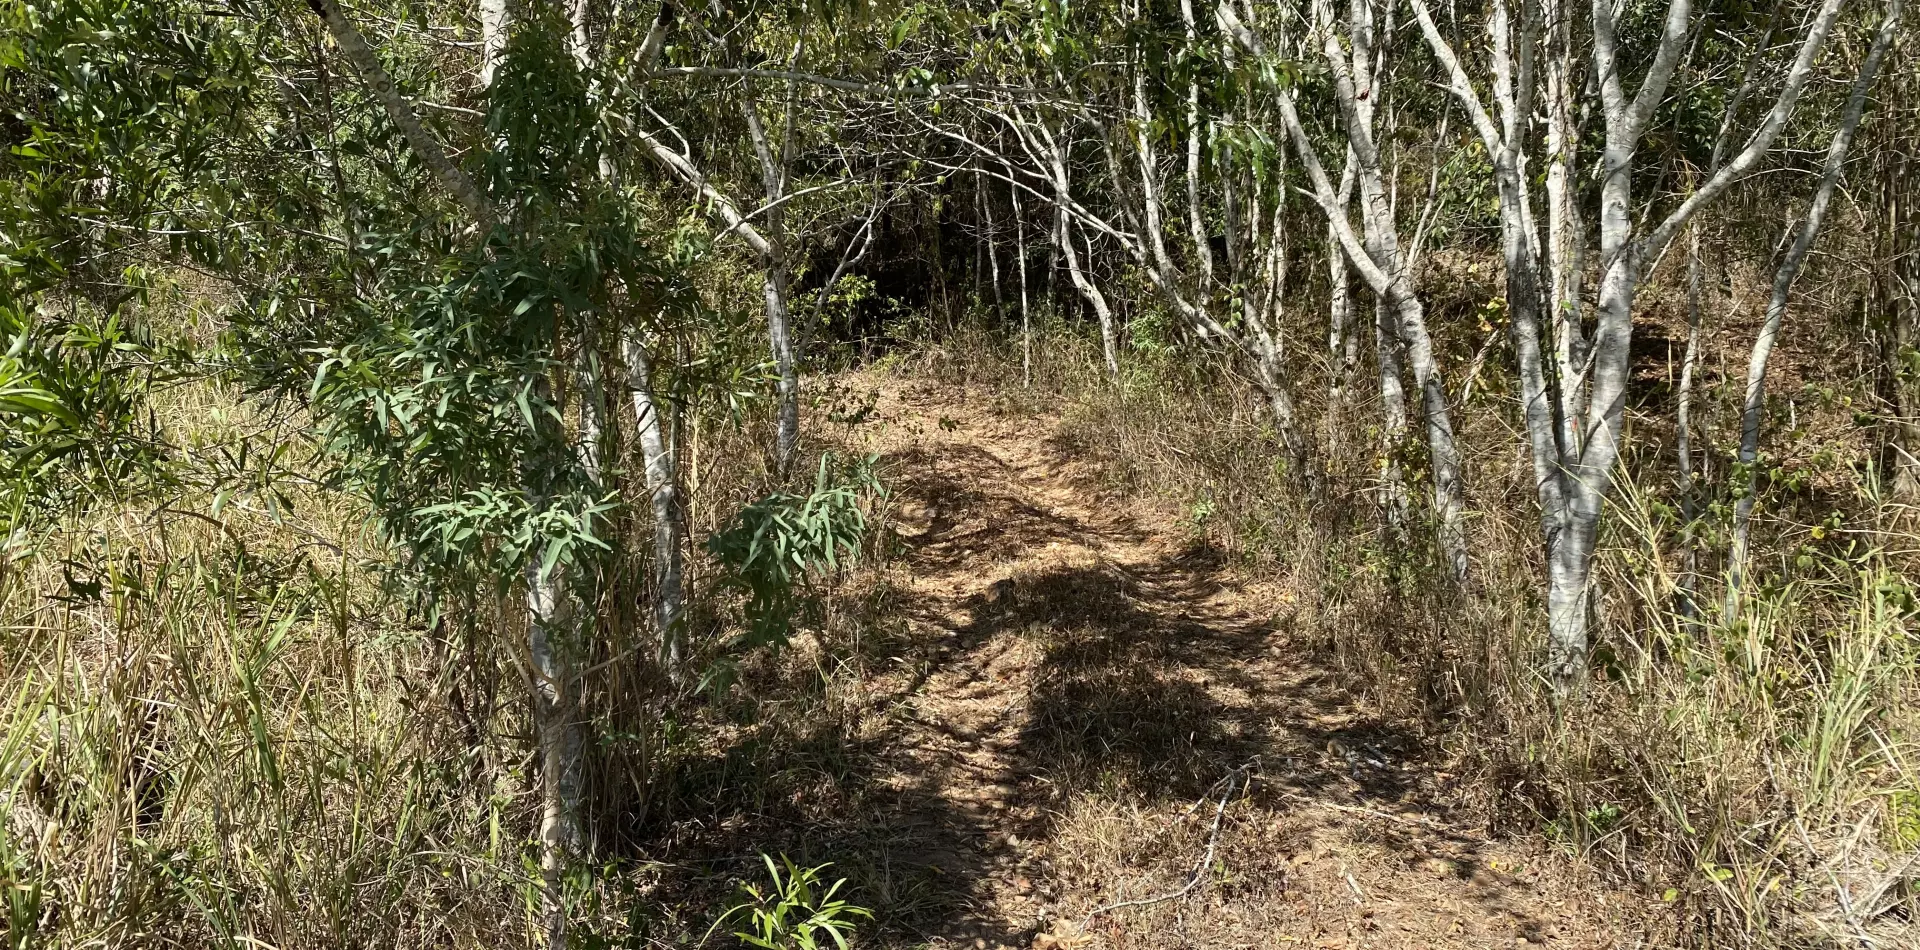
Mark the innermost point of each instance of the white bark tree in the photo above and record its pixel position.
(1754, 405)
(661, 475)
(775, 161)
(1575, 440)
(493, 38)
(1065, 227)
(552, 609)
(1377, 257)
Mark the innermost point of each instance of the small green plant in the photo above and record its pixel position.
(1200, 514)
(1903, 808)
(773, 544)
(792, 912)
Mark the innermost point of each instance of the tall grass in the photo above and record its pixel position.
(221, 734)
(1757, 770)
(226, 721)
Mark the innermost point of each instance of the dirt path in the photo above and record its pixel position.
(1086, 686)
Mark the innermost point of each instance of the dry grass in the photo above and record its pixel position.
(244, 735)
(1757, 771)
(226, 722)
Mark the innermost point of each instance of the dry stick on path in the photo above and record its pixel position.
(1232, 780)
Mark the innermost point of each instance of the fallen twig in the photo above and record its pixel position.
(1231, 780)
(1415, 820)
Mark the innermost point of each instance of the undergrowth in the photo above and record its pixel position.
(226, 722)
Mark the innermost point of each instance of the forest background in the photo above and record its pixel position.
(433, 469)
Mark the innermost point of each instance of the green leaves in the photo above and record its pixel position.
(73, 420)
(20, 398)
(771, 546)
(793, 912)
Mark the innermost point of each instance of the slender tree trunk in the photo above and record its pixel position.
(773, 174)
(1196, 217)
(551, 613)
(669, 525)
(562, 770)
(1393, 410)
(1513, 95)
(1565, 242)
(1686, 600)
(780, 336)
(1109, 346)
(374, 76)
(1026, 320)
(1353, 89)
(493, 38)
(1057, 174)
(990, 239)
(1570, 565)
(1341, 333)
(1685, 595)
(1755, 403)
(556, 629)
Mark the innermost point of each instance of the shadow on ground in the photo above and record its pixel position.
(1137, 678)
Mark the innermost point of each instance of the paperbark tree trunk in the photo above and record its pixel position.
(773, 176)
(1352, 89)
(493, 38)
(562, 764)
(1109, 347)
(1343, 330)
(374, 76)
(1578, 460)
(1626, 120)
(1393, 412)
(1340, 330)
(1503, 141)
(990, 240)
(1685, 595)
(1026, 320)
(1063, 192)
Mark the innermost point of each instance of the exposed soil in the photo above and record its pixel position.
(1082, 702)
